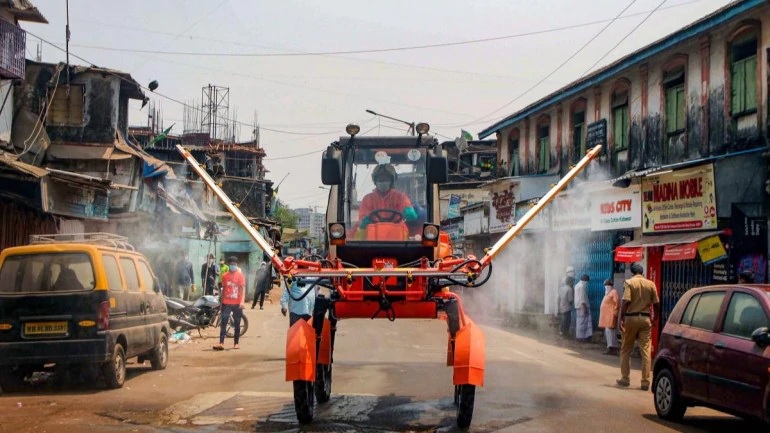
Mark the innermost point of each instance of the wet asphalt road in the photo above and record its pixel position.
(387, 377)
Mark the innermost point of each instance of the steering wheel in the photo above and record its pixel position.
(386, 216)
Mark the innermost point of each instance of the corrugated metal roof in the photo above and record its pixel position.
(25, 11)
(571, 90)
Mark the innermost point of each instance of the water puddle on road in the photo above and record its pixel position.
(274, 412)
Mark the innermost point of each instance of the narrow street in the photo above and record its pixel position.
(387, 377)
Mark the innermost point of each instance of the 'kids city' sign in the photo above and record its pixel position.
(681, 200)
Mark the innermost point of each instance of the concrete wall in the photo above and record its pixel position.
(6, 114)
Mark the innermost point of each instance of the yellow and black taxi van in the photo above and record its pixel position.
(79, 302)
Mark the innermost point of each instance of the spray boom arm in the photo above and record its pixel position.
(468, 268)
(234, 211)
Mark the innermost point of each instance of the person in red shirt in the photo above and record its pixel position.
(384, 196)
(233, 295)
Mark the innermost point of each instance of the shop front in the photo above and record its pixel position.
(681, 242)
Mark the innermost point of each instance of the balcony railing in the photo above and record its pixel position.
(13, 43)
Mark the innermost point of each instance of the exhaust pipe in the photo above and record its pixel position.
(176, 322)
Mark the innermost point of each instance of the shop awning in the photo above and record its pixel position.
(677, 246)
(81, 151)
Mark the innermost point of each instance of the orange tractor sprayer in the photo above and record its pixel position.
(387, 259)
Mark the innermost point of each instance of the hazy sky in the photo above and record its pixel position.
(312, 98)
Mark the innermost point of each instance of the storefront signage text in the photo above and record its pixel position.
(679, 201)
(616, 209)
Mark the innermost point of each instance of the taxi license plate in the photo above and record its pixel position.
(45, 328)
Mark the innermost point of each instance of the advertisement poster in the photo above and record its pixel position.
(617, 208)
(681, 200)
(503, 204)
(454, 206)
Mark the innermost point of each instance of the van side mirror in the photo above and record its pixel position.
(331, 167)
(761, 337)
(438, 167)
(155, 285)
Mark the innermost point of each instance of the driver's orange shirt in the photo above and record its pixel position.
(393, 199)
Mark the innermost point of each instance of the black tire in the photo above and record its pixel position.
(668, 402)
(452, 310)
(12, 380)
(159, 355)
(465, 401)
(457, 395)
(303, 401)
(231, 326)
(323, 383)
(114, 370)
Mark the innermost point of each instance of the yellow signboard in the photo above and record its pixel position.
(680, 200)
(711, 250)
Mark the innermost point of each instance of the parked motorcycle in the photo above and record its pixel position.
(205, 312)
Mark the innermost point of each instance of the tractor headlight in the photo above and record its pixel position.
(422, 128)
(337, 231)
(430, 232)
(337, 234)
(352, 129)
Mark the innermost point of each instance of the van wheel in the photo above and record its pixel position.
(12, 380)
(159, 355)
(114, 370)
(668, 402)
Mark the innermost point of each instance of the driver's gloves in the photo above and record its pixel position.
(365, 222)
(409, 213)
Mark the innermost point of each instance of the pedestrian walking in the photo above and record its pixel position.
(209, 275)
(640, 304)
(296, 307)
(264, 280)
(584, 328)
(565, 304)
(608, 317)
(184, 277)
(233, 295)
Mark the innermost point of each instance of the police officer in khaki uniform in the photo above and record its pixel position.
(640, 302)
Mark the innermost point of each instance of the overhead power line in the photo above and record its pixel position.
(177, 100)
(372, 50)
(485, 117)
(624, 38)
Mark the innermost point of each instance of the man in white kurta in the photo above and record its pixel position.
(584, 326)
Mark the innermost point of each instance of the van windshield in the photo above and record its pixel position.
(57, 272)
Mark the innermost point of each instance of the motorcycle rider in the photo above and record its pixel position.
(385, 196)
(233, 296)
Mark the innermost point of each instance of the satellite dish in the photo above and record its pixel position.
(462, 144)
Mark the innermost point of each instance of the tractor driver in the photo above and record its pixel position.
(385, 197)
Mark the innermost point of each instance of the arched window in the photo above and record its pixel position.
(543, 143)
(743, 52)
(620, 114)
(513, 151)
(577, 119)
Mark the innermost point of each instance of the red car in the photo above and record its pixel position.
(715, 352)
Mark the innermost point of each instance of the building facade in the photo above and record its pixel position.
(682, 180)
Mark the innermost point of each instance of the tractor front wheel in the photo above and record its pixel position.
(323, 383)
(304, 401)
(466, 397)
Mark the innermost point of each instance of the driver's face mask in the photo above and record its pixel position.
(383, 186)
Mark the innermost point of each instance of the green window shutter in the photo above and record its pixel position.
(617, 128)
(515, 162)
(738, 87)
(670, 110)
(544, 154)
(624, 126)
(680, 109)
(750, 83)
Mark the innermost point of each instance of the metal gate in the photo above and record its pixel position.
(678, 277)
(594, 257)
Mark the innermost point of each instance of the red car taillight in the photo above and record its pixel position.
(103, 316)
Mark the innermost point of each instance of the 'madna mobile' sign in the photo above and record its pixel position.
(679, 201)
